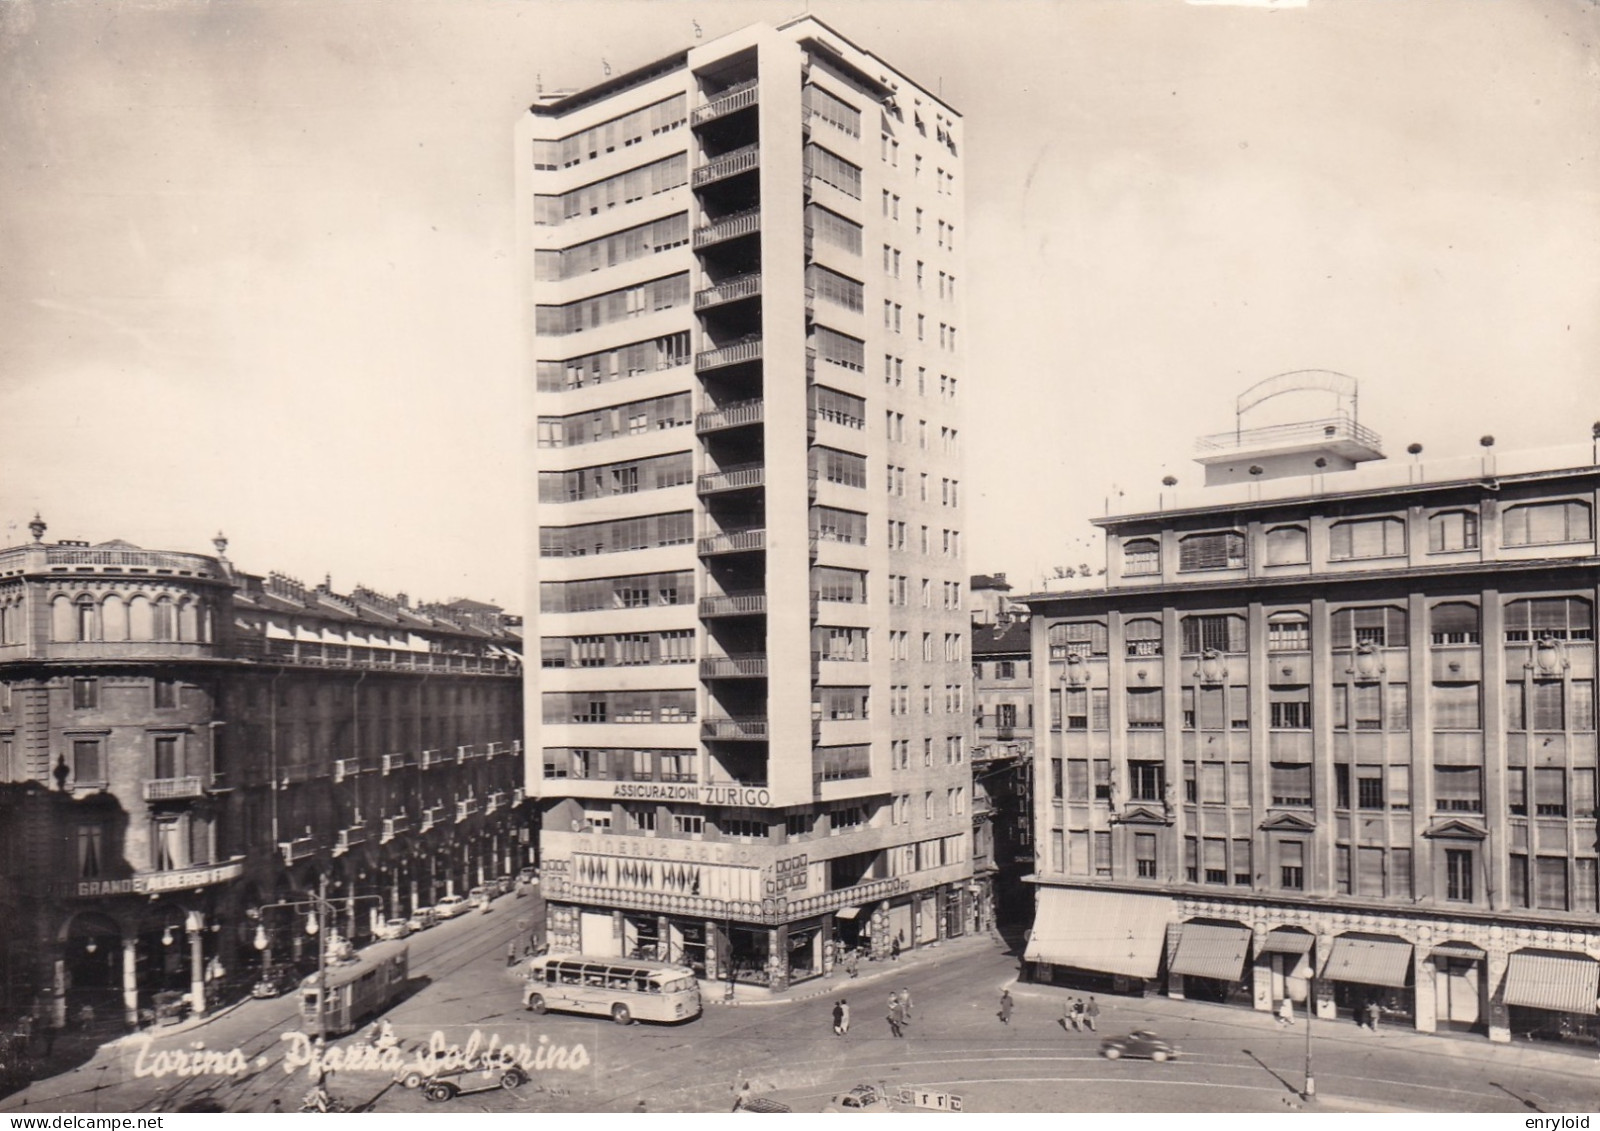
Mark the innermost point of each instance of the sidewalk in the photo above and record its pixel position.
(882, 970)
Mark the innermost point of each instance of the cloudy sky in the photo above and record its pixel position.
(257, 257)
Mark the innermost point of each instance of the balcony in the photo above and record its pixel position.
(298, 849)
(346, 768)
(1341, 433)
(744, 728)
(518, 796)
(737, 97)
(352, 837)
(730, 164)
(729, 227)
(393, 762)
(735, 415)
(729, 290)
(749, 666)
(736, 354)
(733, 542)
(394, 826)
(432, 817)
(495, 802)
(174, 789)
(465, 808)
(431, 758)
(738, 478)
(753, 603)
(313, 654)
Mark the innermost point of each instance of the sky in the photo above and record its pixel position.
(258, 258)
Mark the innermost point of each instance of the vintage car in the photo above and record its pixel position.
(863, 1097)
(440, 1080)
(422, 918)
(397, 928)
(1141, 1043)
(451, 906)
(275, 981)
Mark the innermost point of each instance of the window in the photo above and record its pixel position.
(1458, 789)
(1147, 781)
(1144, 708)
(1102, 853)
(1213, 783)
(1142, 637)
(1102, 779)
(742, 829)
(87, 766)
(1288, 632)
(1366, 538)
(1537, 524)
(1219, 633)
(1545, 704)
(1286, 545)
(1077, 779)
(1216, 860)
(91, 851)
(1399, 779)
(1290, 706)
(1085, 638)
(1369, 787)
(1223, 550)
(166, 693)
(1382, 626)
(1458, 874)
(167, 764)
(1365, 706)
(1144, 855)
(85, 694)
(1452, 530)
(1559, 618)
(1291, 784)
(1517, 791)
(1453, 623)
(1550, 883)
(1456, 706)
(1550, 792)
(1292, 865)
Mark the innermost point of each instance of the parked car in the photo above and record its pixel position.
(528, 875)
(451, 906)
(394, 929)
(422, 918)
(863, 1097)
(1141, 1043)
(275, 981)
(480, 895)
(506, 885)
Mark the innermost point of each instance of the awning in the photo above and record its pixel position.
(1286, 942)
(1107, 931)
(1370, 961)
(847, 913)
(1558, 980)
(1458, 950)
(1209, 950)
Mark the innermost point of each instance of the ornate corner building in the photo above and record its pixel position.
(753, 733)
(1328, 726)
(183, 744)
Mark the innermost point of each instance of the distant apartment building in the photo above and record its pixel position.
(183, 744)
(988, 598)
(1327, 725)
(752, 728)
(1002, 759)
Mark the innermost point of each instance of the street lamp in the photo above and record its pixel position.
(318, 909)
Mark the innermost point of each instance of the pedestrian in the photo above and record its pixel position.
(905, 1002)
(853, 965)
(1090, 1011)
(896, 1017)
(511, 953)
(844, 1017)
(838, 1019)
(1069, 1016)
(1005, 1007)
(894, 949)
(1374, 1011)
(1285, 1013)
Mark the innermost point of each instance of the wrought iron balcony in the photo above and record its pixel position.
(737, 97)
(298, 849)
(729, 290)
(735, 354)
(734, 415)
(432, 817)
(174, 789)
(393, 762)
(734, 604)
(743, 728)
(734, 542)
(495, 801)
(431, 758)
(466, 807)
(349, 838)
(398, 825)
(728, 228)
(733, 478)
(346, 768)
(730, 164)
(749, 666)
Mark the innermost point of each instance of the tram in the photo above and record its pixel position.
(355, 991)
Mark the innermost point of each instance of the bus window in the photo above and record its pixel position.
(642, 985)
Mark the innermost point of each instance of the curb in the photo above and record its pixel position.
(833, 984)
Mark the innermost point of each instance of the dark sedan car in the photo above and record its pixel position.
(1139, 1044)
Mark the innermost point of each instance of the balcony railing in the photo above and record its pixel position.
(432, 817)
(298, 849)
(728, 355)
(1333, 428)
(732, 100)
(729, 290)
(346, 768)
(750, 666)
(727, 228)
(393, 762)
(733, 604)
(733, 478)
(349, 838)
(466, 807)
(397, 825)
(747, 728)
(174, 789)
(733, 415)
(730, 164)
(495, 801)
(518, 796)
(431, 758)
(734, 541)
(311, 653)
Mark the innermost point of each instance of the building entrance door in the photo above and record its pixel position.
(1458, 992)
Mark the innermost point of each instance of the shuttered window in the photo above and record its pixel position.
(1585, 882)
(1397, 706)
(1536, 524)
(1102, 853)
(1583, 802)
(1366, 538)
(1241, 862)
(1216, 860)
(1455, 706)
(1213, 783)
(1550, 792)
(1086, 638)
(1144, 707)
(1221, 550)
(1400, 873)
(1550, 883)
(1454, 623)
(1458, 789)
(1291, 784)
(1292, 865)
(1545, 704)
(1077, 779)
(1561, 618)
(1369, 872)
(1290, 706)
(1142, 637)
(840, 349)
(1384, 626)
(1219, 633)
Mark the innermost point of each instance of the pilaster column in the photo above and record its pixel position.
(130, 979)
(1498, 1013)
(1425, 996)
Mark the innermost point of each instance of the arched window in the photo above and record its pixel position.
(163, 621)
(1452, 530)
(1366, 538)
(1086, 638)
(85, 623)
(1538, 524)
(1288, 632)
(1382, 625)
(1141, 556)
(1223, 549)
(1142, 636)
(188, 622)
(141, 619)
(1560, 618)
(114, 618)
(1454, 623)
(1286, 545)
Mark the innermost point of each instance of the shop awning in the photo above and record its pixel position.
(1370, 961)
(1286, 942)
(1210, 950)
(1107, 931)
(847, 913)
(1458, 950)
(1558, 980)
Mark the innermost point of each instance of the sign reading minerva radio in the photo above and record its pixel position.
(704, 794)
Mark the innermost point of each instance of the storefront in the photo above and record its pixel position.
(804, 950)
(1458, 987)
(1107, 941)
(1550, 995)
(1209, 964)
(1366, 970)
(1285, 959)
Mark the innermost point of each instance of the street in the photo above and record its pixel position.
(1231, 1059)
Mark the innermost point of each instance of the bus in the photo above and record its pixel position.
(624, 988)
(355, 991)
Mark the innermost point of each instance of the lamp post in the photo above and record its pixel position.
(1310, 1092)
(319, 911)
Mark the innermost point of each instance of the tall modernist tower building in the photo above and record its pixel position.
(744, 273)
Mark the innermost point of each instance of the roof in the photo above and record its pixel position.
(1010, 638)
(989, 581)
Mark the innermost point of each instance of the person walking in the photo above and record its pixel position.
(1069, 1016)
(844, 1017)
(896, 1017)
(1285, 1013)
(905, 1002)
(1091, 1010)
(838, 1019)
(894, 949)
(1005, 1007)
(1374, 1011)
